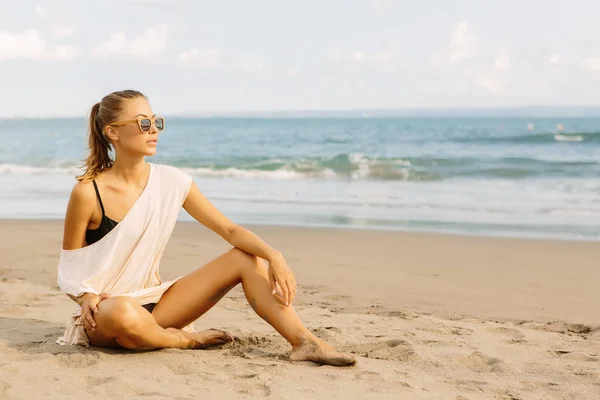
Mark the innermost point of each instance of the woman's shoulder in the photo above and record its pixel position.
(168, 170)
(83, 191)
(172, 174)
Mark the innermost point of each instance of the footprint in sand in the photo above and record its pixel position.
(573, 356)
(460, 331)
(400, 314)
(437, 343)
(393, 350)
(479, 362)
(564, 328)
(514, 335)
(99, 380)
(254, 389)
(259, 347)
(327, 332)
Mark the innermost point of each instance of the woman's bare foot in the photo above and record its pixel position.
(204, 339)
(321, 353)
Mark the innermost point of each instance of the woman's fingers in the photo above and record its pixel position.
(273, 284)
(292, 290)
(293, 286)
(87, 317)
(284, 289)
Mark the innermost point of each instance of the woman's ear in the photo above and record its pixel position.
(111, 134)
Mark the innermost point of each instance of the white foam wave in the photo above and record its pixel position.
(568, 138)
(362, 162)
(245, 173)
(33, 170)
(402, 162)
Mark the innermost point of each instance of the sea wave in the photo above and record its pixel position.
(37, 170)
(355, 166)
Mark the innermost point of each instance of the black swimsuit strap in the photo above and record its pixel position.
(98, 195)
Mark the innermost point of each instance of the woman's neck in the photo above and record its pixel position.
(130, 171)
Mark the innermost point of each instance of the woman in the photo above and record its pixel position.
(120, 215)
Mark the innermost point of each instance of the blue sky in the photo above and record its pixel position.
(59, 57)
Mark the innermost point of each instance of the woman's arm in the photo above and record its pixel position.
(79, 213)
(77, 218)
(207, 214)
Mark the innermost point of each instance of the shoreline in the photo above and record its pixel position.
(358, 228)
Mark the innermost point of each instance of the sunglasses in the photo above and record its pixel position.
(144, 123)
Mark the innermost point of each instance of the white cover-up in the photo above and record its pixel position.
(125, 262)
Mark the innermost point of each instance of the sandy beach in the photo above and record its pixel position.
(429, 316)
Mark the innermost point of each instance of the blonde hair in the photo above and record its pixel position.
(102, 114)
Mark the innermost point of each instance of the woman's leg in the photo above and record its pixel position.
(194, 294)
(122, 322)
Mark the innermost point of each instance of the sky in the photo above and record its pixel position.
(57, 58)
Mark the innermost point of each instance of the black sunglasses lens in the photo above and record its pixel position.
(160, 124)
(145, 124)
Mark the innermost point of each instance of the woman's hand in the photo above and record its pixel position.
(89, 306)
(280, 274)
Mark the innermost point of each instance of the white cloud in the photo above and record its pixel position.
(555, 59)
(334, 56)
(40, 11)
(66, 52)
(149, 44)
(65, 30)
(205, 58)
(357, 55)
(30, 45)
(379, 5)
(490, 84)
(251, 66)
(502, 62)
(463, 44)
(115, 45)
(383, 60)
(381, 57)
(591, 63)
(293, 71)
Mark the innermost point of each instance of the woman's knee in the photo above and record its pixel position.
(121, 314)
(243, 259)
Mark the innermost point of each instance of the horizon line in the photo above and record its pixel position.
(549, 111)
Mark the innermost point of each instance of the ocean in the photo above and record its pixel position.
(520, 177)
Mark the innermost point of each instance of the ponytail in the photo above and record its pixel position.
(99, 159)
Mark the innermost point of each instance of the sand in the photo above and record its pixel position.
(429, 317)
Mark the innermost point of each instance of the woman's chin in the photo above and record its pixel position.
(150, 152)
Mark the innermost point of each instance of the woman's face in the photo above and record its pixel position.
(129, 138)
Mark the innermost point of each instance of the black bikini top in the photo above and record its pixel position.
(106, 224)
